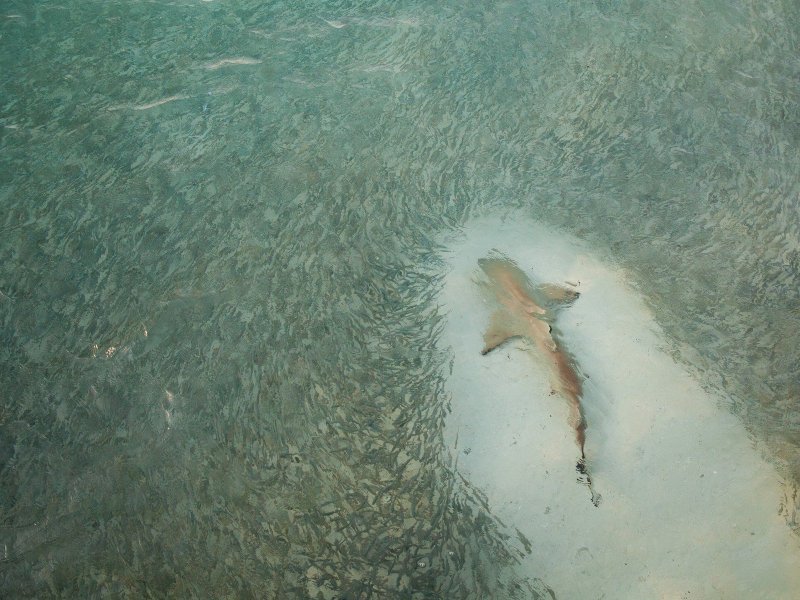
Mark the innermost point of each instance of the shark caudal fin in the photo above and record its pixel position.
(586, 479)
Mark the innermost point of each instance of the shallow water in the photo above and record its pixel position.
(223, 247)
(672, 499)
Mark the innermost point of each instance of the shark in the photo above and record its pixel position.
(528, 311)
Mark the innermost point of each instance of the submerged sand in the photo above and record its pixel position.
(689, 506)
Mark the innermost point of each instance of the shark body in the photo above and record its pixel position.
(528, 311)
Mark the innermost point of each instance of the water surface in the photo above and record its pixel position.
(222, 369)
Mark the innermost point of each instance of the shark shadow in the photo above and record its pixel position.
(528, 311)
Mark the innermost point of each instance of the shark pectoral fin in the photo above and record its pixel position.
(557, 294)
(498, 332)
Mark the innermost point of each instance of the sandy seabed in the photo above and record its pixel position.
(689, 507)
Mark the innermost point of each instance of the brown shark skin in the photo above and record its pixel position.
(524, 312)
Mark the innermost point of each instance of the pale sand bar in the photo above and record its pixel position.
(689, 508)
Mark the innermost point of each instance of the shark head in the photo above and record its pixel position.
(506, 281)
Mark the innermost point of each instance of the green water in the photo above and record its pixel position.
(219, 267)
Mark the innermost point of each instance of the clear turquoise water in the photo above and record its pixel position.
(219, 365)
